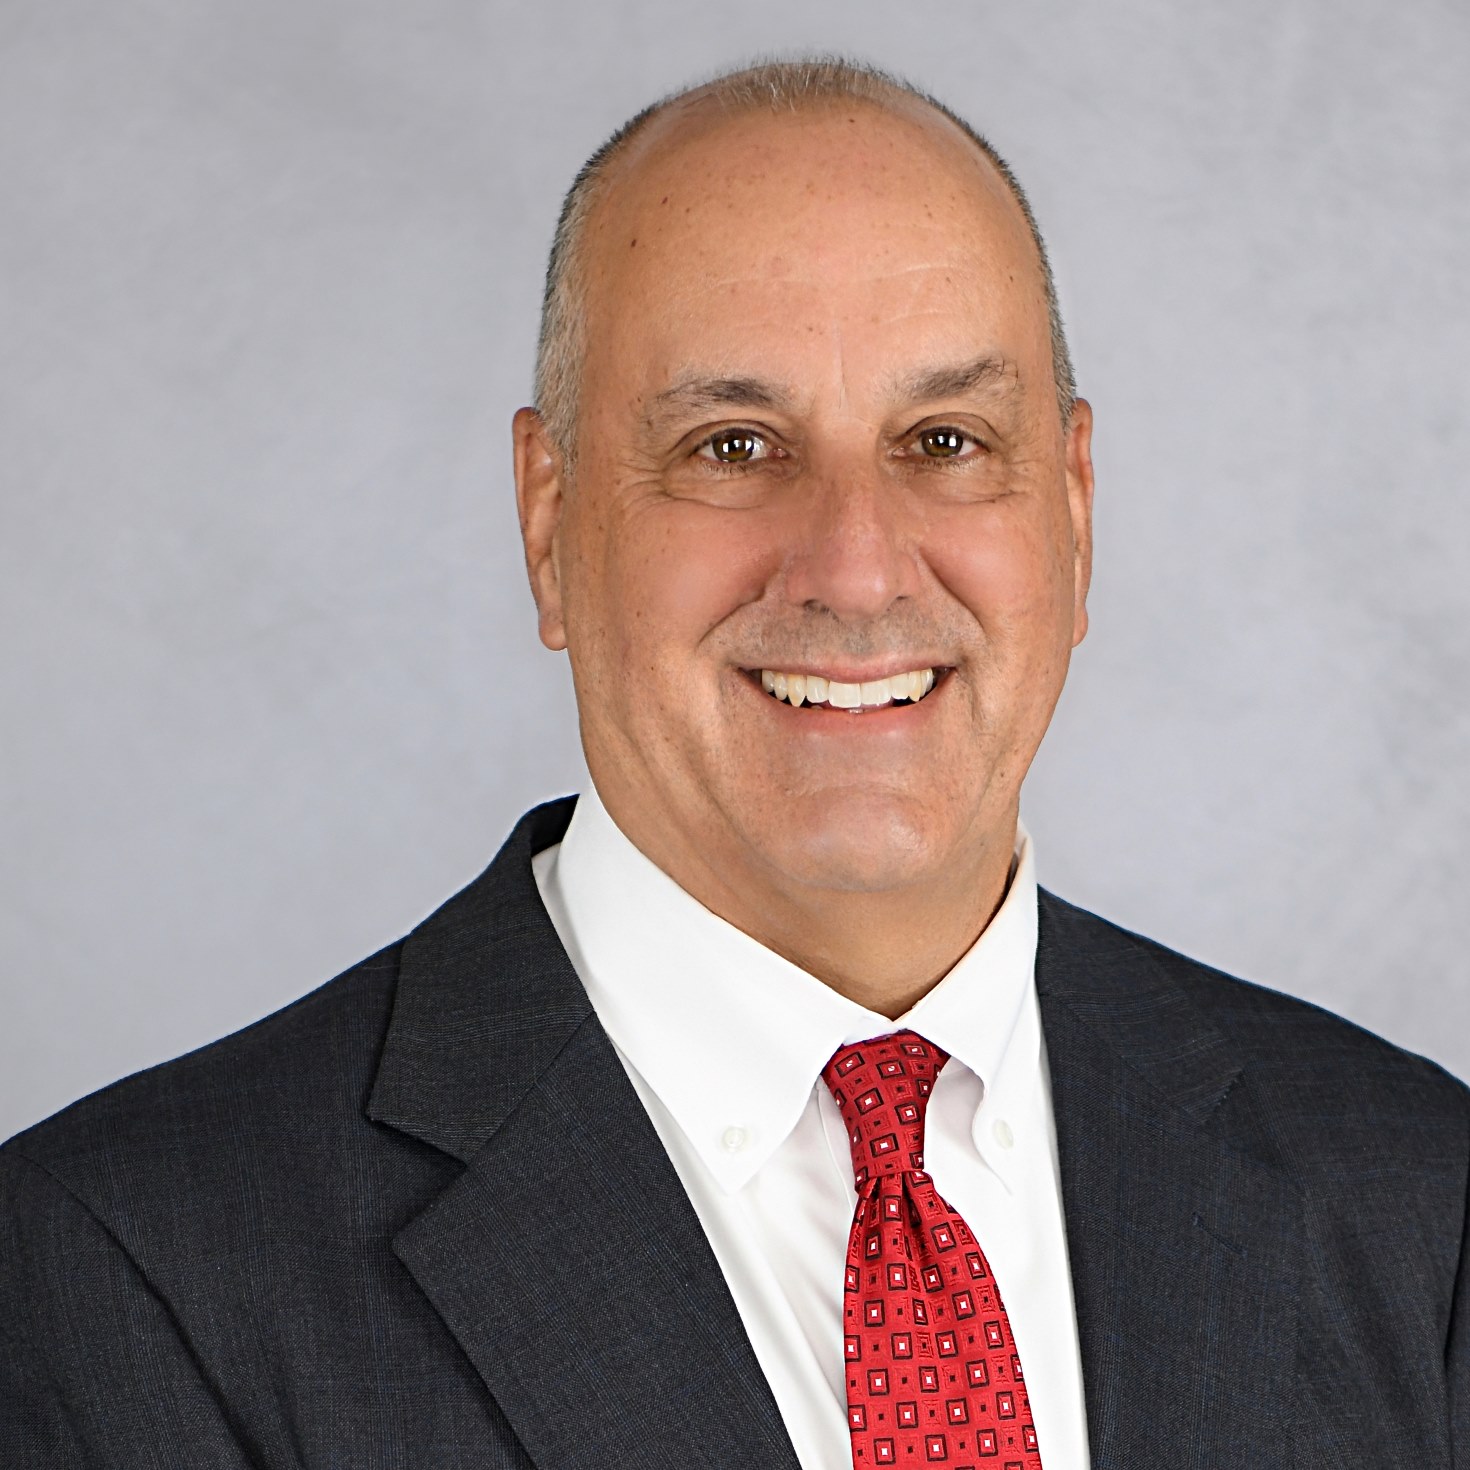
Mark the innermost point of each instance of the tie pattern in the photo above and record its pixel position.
(933, 1376)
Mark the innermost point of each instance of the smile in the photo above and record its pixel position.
(817, 691)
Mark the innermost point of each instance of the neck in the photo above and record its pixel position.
(883, 949)
(886, 952)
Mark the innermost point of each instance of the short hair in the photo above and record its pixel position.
(791, 85)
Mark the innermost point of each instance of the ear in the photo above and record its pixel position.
(1079, 505)
(540, 485)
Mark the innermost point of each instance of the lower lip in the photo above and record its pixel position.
(872, 721)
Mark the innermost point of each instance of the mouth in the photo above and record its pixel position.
(821, 692)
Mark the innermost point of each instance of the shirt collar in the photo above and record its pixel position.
(730, 1036)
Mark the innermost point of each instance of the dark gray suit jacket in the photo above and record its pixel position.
(420, 1219)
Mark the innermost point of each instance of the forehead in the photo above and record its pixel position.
(735, 235)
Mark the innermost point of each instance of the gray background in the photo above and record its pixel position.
(270, 681)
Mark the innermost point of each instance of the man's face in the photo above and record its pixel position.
(818, 437)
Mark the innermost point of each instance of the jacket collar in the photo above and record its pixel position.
(566, 1258)
(486, 1001)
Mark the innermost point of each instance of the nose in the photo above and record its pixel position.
(853, 550)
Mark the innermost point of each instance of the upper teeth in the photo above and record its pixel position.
(801, 689)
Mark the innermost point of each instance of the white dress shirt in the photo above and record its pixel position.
(724, 1042)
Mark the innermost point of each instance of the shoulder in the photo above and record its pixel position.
(1267, 1024)
(1322, 1085)
(280, 1109)
(289, 1087)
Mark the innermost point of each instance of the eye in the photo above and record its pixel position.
(942, 442)
(733, 446)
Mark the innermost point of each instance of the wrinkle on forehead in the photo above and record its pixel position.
(837, 304)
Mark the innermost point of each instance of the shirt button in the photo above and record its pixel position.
(1002, 1131)
(732, 1140)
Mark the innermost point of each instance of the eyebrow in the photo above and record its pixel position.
(957, 379)
(699, 393)
(704, 393)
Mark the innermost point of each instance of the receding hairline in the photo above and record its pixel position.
(797, 88)
(678, 120)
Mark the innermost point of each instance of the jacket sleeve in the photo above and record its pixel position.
(93, 1368)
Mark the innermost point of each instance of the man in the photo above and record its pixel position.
(760, 1111)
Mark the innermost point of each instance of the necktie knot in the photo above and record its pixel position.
(882, 1087)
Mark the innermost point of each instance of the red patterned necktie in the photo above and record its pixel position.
(933, 1376)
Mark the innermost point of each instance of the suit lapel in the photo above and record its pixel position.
(566, 1259)
(1183, 1244)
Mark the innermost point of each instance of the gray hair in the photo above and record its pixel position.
(776, 85)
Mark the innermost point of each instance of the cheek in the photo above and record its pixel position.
(654, 585)
(687, 570)
(1010, 569)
